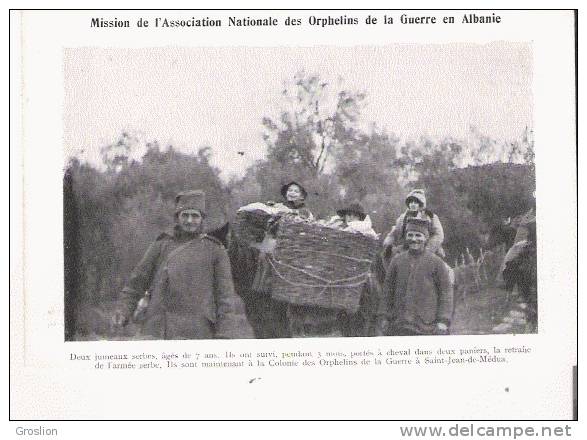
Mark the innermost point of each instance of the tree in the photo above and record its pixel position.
(366, 172)
(319, 141)
(483, 149)
(496, 191)
(314, 121)
(317, 120)
(469, 200)
(429, 165)
(71, 251)
(112, 213)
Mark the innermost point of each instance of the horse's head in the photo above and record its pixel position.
(243, 257)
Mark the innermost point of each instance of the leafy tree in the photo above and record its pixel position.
(469, 200)
(366, 172)
(497, 190)
(123, 207)
(314, 121)
(484, 149)
(318, 141)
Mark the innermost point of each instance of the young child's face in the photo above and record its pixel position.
(294, 193)
(413, 205)
(351, 218)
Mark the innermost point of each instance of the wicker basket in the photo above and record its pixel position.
(250, 226)
(320, 266)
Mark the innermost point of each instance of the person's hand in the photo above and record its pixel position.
(441, 328)
(381, 327)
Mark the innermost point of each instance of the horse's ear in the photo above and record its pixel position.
(224, 229)
(221, 233)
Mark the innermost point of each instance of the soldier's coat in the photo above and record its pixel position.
(196, 294)
(192, 293)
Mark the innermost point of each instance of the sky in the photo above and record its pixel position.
(194, 97)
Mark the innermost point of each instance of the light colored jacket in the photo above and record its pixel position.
(397, 234)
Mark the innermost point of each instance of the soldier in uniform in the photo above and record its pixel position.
(185, 278)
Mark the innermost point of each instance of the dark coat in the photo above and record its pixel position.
(209, 268)
(417, 293)
(196, 294)
(148, 271)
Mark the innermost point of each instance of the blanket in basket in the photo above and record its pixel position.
(319, 266)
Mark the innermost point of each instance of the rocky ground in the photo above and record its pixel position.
(491, 311)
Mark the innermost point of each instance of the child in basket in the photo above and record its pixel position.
(268, 315)
(353, 219)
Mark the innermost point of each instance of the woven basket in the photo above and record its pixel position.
(320, 266)
(250, 226)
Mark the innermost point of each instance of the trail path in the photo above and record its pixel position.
(482, 311)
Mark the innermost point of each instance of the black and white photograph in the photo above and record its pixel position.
(299, 192)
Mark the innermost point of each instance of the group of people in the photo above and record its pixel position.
(183, 286)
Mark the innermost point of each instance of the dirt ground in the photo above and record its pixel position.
(477, 313)
(481, 312)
